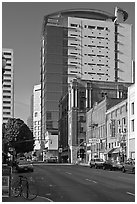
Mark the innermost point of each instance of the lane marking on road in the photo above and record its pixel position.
(68, 173)
(45, 198)
(94, 181)
(91, 180)
(130, 193)
(87, 179)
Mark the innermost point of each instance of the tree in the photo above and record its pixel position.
(17, 135)
(24, 141)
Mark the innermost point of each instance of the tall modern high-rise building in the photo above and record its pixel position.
(37, 115)
(81, 43)
(8, 86)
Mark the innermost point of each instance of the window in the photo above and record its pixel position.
(8, 86)
(91, 27)
(6, 107)
(132, 108)
(6, 96)
(119, 130)
(81, 118)
(7, 53)
(123, 121)
(8, 70)
(100, 28)
(7, 75)
(7, 102)
(48, 115)
(6, 113)
(6, 91)
(132, 125)
(73, 25)
(49, 124)
(81, 129)
(36, 114)
(123, 124)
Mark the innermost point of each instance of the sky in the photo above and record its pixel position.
(21, 31)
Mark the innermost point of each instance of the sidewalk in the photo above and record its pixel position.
(21, 199)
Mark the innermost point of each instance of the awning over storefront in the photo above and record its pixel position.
(116, 150)
(109, 151)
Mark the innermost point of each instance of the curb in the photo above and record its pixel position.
(21, 199)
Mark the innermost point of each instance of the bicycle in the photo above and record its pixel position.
(22, 187)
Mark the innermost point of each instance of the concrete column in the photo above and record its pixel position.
(69, 100)
(76, 98)
(72, 97)
(86, 97)
(90, 95)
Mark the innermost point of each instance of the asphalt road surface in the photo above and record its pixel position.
(73, 183)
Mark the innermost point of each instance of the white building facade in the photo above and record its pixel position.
(8, 86)
(131, 122)
(37, 116)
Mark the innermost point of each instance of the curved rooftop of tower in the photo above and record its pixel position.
(83, 13)
(80, 13)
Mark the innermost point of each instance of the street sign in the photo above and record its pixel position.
(94, 140)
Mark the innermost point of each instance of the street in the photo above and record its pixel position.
(74, 183)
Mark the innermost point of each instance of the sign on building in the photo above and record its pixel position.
(94, 140)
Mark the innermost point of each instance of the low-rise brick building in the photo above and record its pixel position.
(81, 96)
(117, 131)
(96, 128)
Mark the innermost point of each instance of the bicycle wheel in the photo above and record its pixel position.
(16, 189)
(30, 192)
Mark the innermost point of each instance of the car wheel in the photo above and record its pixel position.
(95, 166)
(123, 170)
(90, 166)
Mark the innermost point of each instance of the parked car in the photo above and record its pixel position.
(97, 163)
(108, 164)
(118, 165)
(129, 166)
(52, 160)
(21, 159)
(24, 165)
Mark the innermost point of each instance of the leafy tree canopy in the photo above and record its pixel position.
(16, 134)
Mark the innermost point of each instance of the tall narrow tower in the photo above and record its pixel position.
(8, 86)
